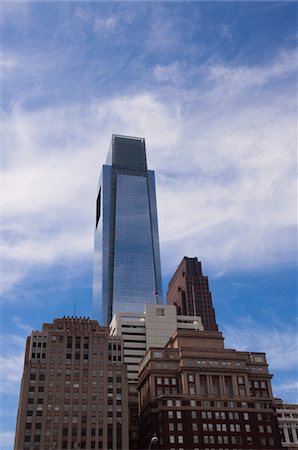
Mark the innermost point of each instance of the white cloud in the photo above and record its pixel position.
(231, 80)
(280, 344)
(7, 62)
(11, 362)
(106, 24)
(6, 439)
(226, 184)
(287, 391)
(170, 72)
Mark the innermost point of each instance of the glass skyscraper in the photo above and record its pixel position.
(127, 272)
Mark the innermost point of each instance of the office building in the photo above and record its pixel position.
(127, 272)
(139, 332)
(74, 389)
(287, 416)
(195, 394)
(189, 291)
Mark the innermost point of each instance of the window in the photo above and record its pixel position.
(247, 428)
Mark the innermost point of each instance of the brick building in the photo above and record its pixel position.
(189, 291)
(194, 394)
(74, 389)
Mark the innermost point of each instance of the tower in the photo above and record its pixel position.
(74, 389)
(127, 272)
(189, 291)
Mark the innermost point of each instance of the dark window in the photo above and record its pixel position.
(98, 206)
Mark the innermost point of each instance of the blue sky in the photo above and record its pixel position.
(212, 88)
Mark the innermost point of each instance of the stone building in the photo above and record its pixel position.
(74, 389)
(287, 416)
(194, 394)
(139, 332)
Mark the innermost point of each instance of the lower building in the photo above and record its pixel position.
(74, 389)
(139, 332)
(287, 416)
(194, 394)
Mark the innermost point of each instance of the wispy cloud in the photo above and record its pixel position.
(6, 439)
(280, 343)
(287, 391)
(107, 24)
(226, 182)
(11, 362)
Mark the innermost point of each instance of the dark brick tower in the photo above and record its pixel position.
(189, 291)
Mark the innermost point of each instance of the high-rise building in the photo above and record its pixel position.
(189, 291)
(127, 272)
(74, 389)
(139, 332)
(195, 394)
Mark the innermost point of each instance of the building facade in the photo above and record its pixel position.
(189, 291)
(73, 390)
(139, 332)
(127, 271)
(194, 394)
(287, 416)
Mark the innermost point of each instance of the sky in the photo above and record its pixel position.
(212, 88)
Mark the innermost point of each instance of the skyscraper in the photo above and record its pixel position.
(189, 291)
(127, 272)
(74, 389)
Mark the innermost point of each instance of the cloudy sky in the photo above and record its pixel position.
(212, 88)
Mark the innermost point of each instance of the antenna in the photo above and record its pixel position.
(74, 308)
